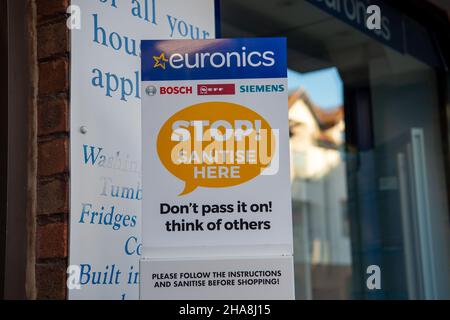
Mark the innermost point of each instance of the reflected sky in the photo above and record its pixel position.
(324, 87)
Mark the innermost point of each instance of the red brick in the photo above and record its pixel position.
(52, 40)
(53, 77)
(53, 116)
(51, 241)
(53, 197)
(51, 281)
(48, 8)
(53, 157)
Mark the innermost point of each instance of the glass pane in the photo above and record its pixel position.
(319, 190)
(367, 154)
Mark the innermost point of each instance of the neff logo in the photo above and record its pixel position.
(202, 60)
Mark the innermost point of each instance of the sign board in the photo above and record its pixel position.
(105, 153)
(397, 30)
(215, 152)
(354, 13)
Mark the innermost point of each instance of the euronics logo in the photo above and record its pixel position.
(239, 59)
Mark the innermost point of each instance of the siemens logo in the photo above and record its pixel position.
(261, 88)
(202, 60)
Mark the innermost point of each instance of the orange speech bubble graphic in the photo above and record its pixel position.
(215, 145)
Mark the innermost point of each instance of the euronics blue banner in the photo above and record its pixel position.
(214, 59)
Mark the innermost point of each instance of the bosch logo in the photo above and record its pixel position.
(175, 90)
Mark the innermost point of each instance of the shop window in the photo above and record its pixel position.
(368, 180)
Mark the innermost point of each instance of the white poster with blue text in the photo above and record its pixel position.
(106, 189)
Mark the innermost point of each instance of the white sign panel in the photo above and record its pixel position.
(106, 189)
(223, 279)
(215, 149)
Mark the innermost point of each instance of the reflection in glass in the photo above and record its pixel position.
(321, 227)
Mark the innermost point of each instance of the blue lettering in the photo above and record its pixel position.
(132, 246)
(112, 83)
(261, 88)
(96, 31)
(85, 273)
(144, 11)
(85, 211)
(185, 29)
(97, 81)
(114, 40)
(90, 156)
(113, 2)
(172, 25)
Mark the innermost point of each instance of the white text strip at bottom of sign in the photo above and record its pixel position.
(262, 278)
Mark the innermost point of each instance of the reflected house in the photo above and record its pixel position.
(321, 227)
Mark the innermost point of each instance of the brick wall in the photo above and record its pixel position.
(53, 149)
